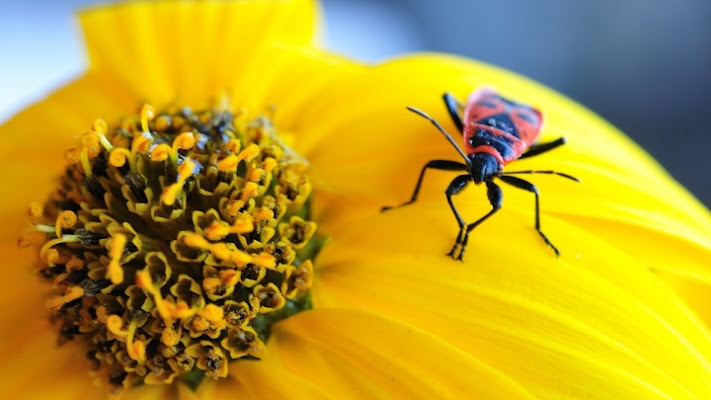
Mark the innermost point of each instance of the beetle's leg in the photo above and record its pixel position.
(537, 149)
(528, 186)
(496, 198)
(537, 171)
(455, 187)
(453, 106)
(445, 165)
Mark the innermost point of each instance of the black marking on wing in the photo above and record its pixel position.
(502, 122)
(484, 137)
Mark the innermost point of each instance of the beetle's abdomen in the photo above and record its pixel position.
(481, 138)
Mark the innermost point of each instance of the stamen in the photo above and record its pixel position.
(171, 192)
(184, 141)
(66, 219)
(49, 255)
(230, 162)
(135, 349)
(147, 114)
(118, 157)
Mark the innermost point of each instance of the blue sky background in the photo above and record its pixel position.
(645, 65)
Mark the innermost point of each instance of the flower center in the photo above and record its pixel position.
(174, 241)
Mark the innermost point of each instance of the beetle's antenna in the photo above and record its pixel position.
(530, 171)
(436, 124)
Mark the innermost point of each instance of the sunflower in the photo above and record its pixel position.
(218, 136)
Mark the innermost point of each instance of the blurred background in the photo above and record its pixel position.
(644, 65)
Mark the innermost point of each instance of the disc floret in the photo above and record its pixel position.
(173, 241)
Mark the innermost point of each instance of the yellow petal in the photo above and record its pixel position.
(32, 142)
(267, 378)
(352, 354)
(187, 52)
(596, 329)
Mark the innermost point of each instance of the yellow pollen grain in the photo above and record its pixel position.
(116, 249)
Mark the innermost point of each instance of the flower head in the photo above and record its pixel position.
(183, 244)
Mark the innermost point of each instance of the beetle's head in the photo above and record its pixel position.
(484, 166)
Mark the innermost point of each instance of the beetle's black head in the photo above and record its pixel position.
(483, 166)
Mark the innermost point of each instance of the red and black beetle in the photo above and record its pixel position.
(496, 131)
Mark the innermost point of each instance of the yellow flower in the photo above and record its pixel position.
(619, 315)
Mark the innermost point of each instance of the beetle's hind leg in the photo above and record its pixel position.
(528, 186)
(541, 148)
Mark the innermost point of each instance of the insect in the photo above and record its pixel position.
(496, 131)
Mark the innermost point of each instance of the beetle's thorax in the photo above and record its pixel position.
(484, 166)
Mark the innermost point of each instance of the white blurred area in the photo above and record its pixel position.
(41, 46)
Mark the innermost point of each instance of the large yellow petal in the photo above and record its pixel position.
(267, 378)
(377, 148)
(189, 52)
(580, 326)
(352, 354)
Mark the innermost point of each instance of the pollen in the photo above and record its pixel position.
(173, 241)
